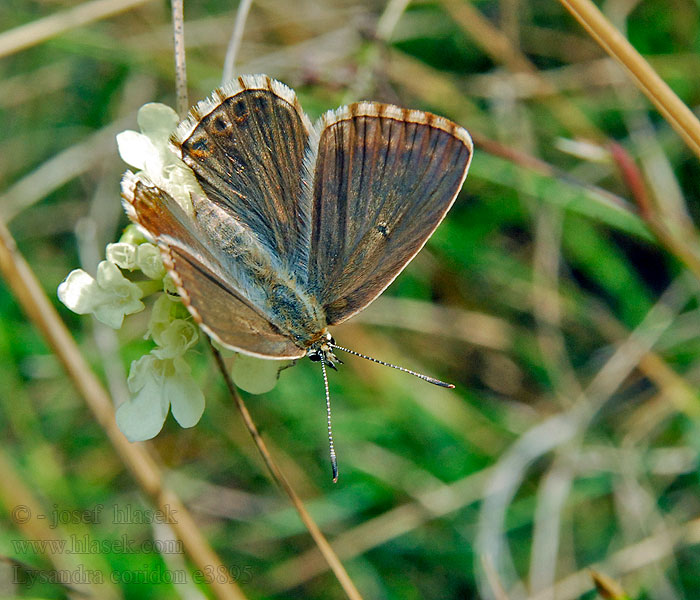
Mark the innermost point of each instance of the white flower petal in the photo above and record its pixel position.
(132, 235)
(80, 292)
(186, 399)
(176, 339)
(180, 183)
(122, 254)
(139, 372)
(109, 298)
(150, 262)
(157, 121)
(109, 276)
(256, 375)
(110, 315)
(135, 148)
(142, 417)
(119, 296)
(161, 317)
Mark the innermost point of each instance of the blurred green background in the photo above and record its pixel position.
(568, 322)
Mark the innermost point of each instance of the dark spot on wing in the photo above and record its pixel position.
(198, 147)
(383, 230)
(261, 103)
(221, 123)
(240, 110)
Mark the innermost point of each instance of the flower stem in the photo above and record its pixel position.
(318, 537)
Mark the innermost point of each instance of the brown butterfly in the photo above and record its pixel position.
(300, 226)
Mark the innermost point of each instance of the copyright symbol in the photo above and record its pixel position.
(21, 513)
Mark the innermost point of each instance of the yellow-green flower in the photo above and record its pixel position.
(109, 297)
(149, 151)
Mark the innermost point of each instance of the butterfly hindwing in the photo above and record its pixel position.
(384, 178)
(223, 314)
(204, 284)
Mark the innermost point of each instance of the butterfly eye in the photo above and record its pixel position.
(314, 356)
(331, 340)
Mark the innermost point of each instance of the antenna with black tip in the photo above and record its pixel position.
(320, 357)
(331, 447)
(386, 364)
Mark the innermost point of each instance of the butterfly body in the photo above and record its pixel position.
(267, 283)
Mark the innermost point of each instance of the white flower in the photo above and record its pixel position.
(149, 151)
(161, 380)
(143, 256)
(165, 311)
(175, 339)
(156, 385)
(256, 375)
(109, 297)
(122, 254)
(149, 260)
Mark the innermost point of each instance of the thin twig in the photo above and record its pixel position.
(179, 52)
(137, 459)
(499, 47)
(318, 537)
(537, 165)
(634, 179)
(679, 116)
(433, 503)
(40, 30)
(235, 42)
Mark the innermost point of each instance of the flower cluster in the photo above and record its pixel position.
(161, 381)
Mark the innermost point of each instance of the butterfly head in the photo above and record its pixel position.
(323, 350)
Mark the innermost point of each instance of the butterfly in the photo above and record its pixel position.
(300, 226)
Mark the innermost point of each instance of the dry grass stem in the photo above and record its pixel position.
(562, 428)
(320, 540)
(680, 117)
(497, 45)
(472, 327)
(33, 300)
(235, 41)
(607, 587)
(14, 493)
(59, 170)
(39, 31)
(631, 558)
(676, 240)
(178, 11)
(429, 504)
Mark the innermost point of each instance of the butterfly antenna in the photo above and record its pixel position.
(334, 460)
(386, 364)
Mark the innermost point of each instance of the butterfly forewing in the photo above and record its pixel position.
(384, 178)
(246, 146)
